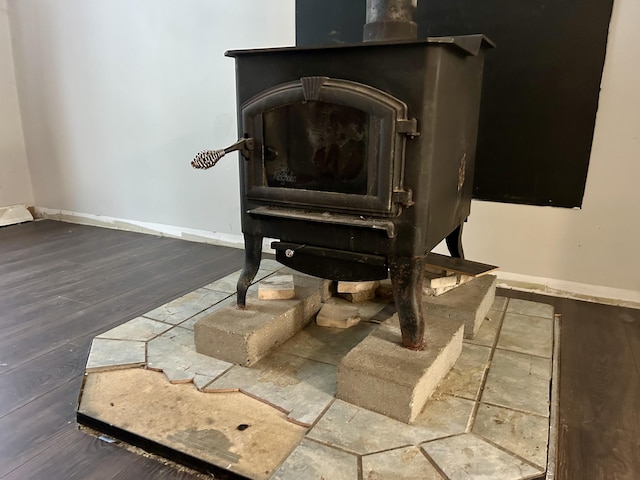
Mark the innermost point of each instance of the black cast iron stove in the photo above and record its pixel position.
(358, 158)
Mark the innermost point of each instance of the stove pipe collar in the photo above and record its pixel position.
(390, 20)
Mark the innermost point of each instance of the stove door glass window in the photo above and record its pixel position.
(315, 145)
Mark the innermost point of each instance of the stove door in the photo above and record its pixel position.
(329, 145)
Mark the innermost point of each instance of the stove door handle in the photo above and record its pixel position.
(208, 158)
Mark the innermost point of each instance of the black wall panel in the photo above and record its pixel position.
(541, 85)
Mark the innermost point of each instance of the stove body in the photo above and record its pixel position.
(361, 158)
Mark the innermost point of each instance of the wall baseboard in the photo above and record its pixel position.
(574, 290)
(514, 281)
(183, 233)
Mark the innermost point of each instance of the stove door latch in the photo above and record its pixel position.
(208, 158)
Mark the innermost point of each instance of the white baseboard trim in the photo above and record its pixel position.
(514, 281)
(183, 233)
(575, 290)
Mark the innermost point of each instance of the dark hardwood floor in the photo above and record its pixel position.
(62, 284)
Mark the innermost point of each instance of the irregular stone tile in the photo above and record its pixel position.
(467, 456)
(465, 377)
(201, 381)
(190, 322)
(362, 431)
(186, 306)
(444, 416)
(400, 464)
(527, 334)
(488, 331)
(518, 381)
(521, 433)
(175, 350)
(140, 329)
(270, 265)
(525, 307)
(229, 283)
(327, 345)
(499, 304)
(178, 376)
(109, 354)
(301, 387)
(311, 460)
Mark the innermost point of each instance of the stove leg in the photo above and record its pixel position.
(252, 255)
(407, 274)
(454, 242)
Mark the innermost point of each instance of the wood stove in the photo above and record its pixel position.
(357, 158)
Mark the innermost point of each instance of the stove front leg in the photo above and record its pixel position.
(407, 274)
(252, 255)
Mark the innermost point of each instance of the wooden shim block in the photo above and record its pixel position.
(277, 287)
(338, 316)
(357, 287)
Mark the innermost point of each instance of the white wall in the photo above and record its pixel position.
(15, 184)
(116, 96)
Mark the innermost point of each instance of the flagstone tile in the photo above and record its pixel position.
(467, 456)
(175, 350)
(190, 322)
(527, 334)
(311, 460)
(229, 283)
(524, 434)
(302, 388)
(186, 306)
(400, 464)
(465, 377)
(140, 329)
(518, 381)
(526, 307)
(344, 425)
(107, 354)
(328, 345)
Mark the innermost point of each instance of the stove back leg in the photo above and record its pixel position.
(454, 242)
(252, 256)
(407, 274)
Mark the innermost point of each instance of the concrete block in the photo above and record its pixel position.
(276, 287)
(338, 316)
(382, 376)
(468, 303)
(355, 287)
(245, 336)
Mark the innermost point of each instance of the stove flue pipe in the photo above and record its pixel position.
(390, 20)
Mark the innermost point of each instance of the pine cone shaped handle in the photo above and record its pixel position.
(207, 159)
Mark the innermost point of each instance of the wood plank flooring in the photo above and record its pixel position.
(62, 284)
